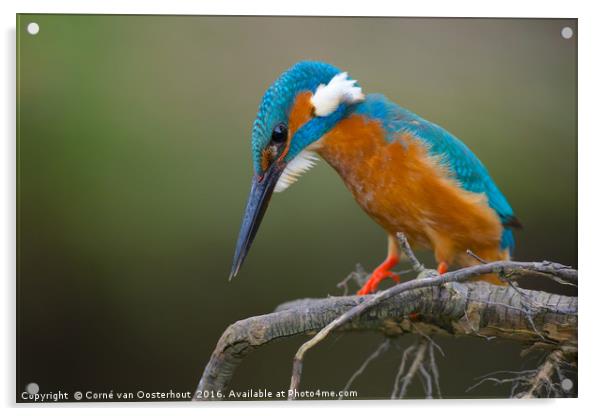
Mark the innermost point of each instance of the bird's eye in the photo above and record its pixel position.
(280, 133)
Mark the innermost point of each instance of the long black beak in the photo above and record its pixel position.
(259, 199)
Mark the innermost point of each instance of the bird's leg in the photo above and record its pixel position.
(383, 270)
(444, 251)
(443, 267)
(379, 274)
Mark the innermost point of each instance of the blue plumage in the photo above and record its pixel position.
(280, 96)
(316, 127)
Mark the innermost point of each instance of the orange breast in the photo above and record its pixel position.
(405, 189)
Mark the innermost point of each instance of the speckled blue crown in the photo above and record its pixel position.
(280, 96)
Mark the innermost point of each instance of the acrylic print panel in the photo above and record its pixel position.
(138, 137)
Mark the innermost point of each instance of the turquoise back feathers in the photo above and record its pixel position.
(463, 163)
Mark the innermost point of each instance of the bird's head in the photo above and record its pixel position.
(303, 104)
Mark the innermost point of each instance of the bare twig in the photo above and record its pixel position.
(432, 343)
(404, 245)
(359, 276)
(537, 382)
(384, 346)
(401, 371)
(406, 380)
(513, 380)
(474, 256)
(433, 367)
(543, 377)
(427, 382)
(423, 364)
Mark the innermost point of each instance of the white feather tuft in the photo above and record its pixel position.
(303, 162)
(339, 90)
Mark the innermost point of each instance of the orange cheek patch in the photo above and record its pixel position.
(301, 112)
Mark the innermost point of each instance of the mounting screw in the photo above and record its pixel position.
(32, 388)
(566, 32)
(33, 28)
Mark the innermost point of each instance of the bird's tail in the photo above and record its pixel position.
(507, 242)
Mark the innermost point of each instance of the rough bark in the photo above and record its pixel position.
(540, 319)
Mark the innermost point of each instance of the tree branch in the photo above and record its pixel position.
(422, 306)
(506, 269)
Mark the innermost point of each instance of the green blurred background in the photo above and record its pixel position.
(134, 166)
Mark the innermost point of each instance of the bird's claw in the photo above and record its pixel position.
(377, 276)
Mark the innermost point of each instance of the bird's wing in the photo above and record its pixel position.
(468, 170)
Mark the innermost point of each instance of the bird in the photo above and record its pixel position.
(408, 174)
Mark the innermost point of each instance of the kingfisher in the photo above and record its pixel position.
(408, 174)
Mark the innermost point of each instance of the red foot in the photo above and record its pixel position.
(379, 274)
(442, 268)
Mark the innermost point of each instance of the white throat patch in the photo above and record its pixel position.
(303, 162)
(339, 90)
(326, 99)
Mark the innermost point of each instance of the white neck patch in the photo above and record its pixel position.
(303, 162)
(339, 90)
